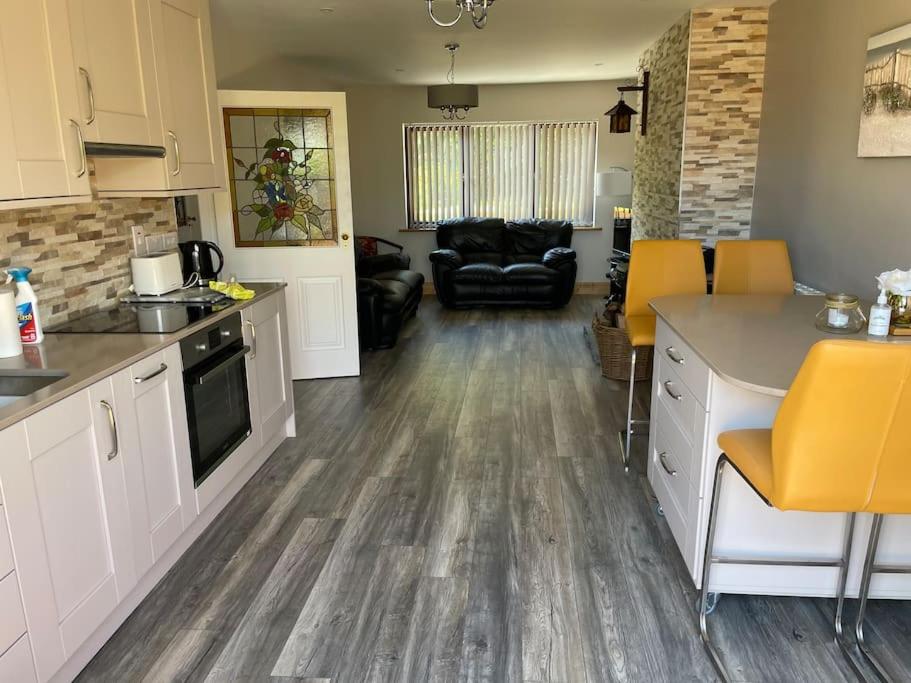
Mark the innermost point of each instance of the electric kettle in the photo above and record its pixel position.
(198, 263)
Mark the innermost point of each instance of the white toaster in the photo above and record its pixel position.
(157, 273)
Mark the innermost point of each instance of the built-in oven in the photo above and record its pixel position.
(215, 386)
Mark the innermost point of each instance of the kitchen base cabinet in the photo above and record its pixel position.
(64, 496)
(265, 332)
(152, 413)
(16, 663)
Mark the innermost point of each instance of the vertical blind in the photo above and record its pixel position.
(502, 170)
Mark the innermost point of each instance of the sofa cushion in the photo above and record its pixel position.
(407, 277)
(529, 273)
(478, 272)
(473, 235)
(396, 294)
(535, 238)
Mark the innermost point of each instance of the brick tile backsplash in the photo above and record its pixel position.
(80, 253)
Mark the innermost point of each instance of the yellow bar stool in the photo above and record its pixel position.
(838, 445)
(656, 268)
(752, 267)
(891, 496)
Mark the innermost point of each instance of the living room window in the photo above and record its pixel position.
(541, 170)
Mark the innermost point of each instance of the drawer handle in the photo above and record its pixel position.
(670, 392)
(667, 468)
(112, 421)
(140, 380)
(674, 356)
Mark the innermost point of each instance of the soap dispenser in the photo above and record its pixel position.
(880, 316)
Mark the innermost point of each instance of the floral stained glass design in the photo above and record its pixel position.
(282, 177)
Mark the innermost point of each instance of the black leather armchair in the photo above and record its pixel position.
(388, 292)
(487, 261)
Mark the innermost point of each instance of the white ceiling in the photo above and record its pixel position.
(394, 41)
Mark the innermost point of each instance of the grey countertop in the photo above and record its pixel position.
(754, 342)
(89, 358)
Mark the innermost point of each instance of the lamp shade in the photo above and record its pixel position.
(615, 183)
(453, 96)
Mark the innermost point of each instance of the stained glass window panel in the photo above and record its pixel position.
(282, 177)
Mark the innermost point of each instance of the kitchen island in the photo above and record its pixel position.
(726, 362)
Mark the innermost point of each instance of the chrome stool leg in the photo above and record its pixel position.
(840, 638)
(708, 559)
(626, 435)
(869, 569)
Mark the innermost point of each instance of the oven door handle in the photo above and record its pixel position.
(221, 367)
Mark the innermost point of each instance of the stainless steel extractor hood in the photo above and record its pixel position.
(110, 149)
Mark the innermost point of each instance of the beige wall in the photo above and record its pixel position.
(846, 219)
(376, 115)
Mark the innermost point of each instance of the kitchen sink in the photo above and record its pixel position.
(18, 384)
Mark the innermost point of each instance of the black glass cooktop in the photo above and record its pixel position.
(141, 319)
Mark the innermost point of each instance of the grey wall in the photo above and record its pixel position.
(375, 118)
(846, 219)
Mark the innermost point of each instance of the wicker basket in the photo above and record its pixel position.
(616, 352)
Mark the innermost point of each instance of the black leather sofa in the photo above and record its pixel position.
(489, 262)
(388, 294)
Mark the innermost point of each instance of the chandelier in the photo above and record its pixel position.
(476, 9)
(453, 100)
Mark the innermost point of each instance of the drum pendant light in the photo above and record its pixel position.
(453, 100)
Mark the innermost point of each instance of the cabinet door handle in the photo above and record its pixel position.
(662, 457)
(146, 378)
(81, 141)
(112, 421)
(91, 93)
(670, 392)
(252, 339)
(173, 137)
(674, 356)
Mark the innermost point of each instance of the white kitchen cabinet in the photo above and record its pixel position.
(115, 70)
(182, 38)
(152, 412)
(265, 332)
(42, 160)
(65, 497)
(16, 663)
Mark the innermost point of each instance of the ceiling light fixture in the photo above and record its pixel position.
(476, 9)
(451, 99)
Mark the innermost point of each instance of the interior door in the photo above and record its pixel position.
(287, 216)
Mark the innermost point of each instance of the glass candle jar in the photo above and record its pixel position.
(841, 315)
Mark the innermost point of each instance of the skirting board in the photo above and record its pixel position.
(598, 288)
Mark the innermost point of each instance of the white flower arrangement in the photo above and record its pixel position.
(895, 282)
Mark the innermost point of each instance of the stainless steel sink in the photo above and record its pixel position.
(19, 383)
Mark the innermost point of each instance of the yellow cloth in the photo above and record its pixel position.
(232, 290)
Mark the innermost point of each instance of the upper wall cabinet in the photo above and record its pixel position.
(41, 132)
(115, 75)
(187, 122)
(183, 54)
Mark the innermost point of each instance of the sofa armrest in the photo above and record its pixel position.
(558, 256)
(369, 287)
(447, 257)
(369, 266)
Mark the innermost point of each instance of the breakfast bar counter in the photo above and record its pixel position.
(726, 362)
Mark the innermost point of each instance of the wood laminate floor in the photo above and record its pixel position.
(459, 513)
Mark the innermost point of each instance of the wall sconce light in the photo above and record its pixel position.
(621, 116)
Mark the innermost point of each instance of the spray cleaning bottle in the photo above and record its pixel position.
(26, 307)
